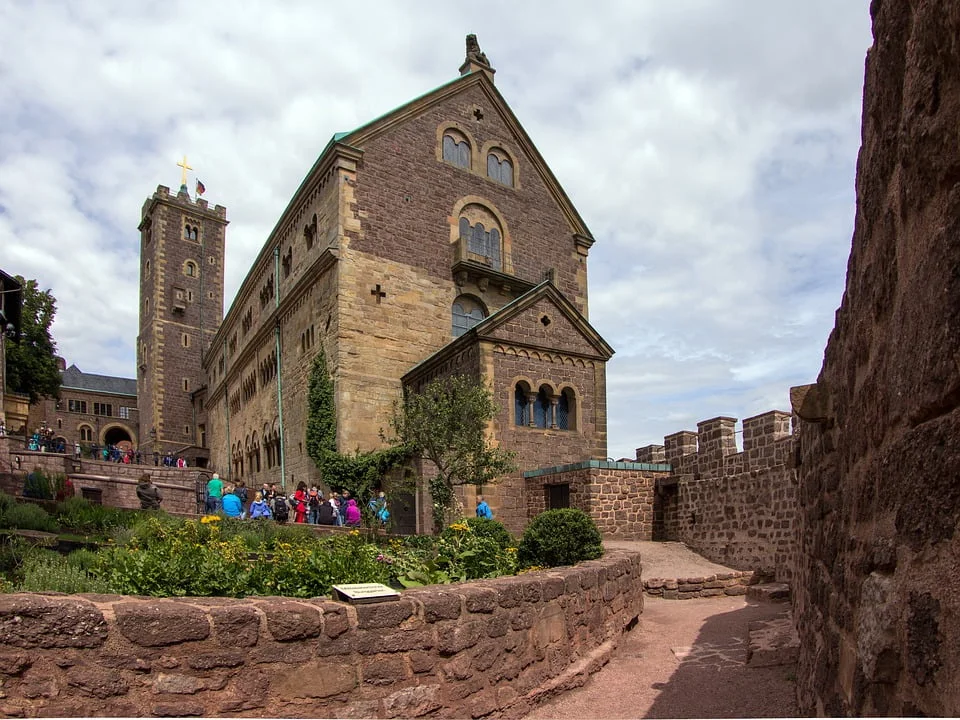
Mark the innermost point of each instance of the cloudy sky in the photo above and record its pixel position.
(710, 146)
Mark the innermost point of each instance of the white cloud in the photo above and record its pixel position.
(709, 145)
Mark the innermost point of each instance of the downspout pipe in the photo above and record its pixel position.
(276, 335)
(226, 404)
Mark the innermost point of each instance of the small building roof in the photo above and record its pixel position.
(74, 378)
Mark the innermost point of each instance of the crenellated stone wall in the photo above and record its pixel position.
(734, 508)
(489, 648)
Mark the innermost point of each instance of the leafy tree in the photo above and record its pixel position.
(31, 363)
(446, 425)
(358, 472)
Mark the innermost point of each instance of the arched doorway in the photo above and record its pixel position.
(119, 436)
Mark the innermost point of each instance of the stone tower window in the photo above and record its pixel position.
(86, 433)
(467, 312)
(185, 340)
(190, 268)
(190, 232)
(499, 167)
(567, 410)
(456, 149)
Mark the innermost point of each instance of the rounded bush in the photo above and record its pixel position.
(493, 529)
(26, 516)
(559, 537)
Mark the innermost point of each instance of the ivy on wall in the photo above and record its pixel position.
(357, 472)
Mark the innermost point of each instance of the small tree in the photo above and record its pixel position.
(446, 425)
(31, 362)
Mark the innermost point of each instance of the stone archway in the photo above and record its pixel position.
(117, 435)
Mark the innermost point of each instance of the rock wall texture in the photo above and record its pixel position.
(735, 508)
(876, 596)
(479, 649)
(619, 496)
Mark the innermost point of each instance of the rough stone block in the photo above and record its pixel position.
(438, 605)
(384, 615)
(769, 592)
(335, 619)
(735, 590)
(236, 626)
(412, 701)
(161, 623)
(773, 642)
(97, 682)
(452, 639)
(291, 621)
(178, 710)
(384, 670)
(316, 679)
(29, 621)
(178, 684)
(219, 659)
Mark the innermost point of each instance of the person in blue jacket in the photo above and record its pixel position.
(483, 510)
(231, 504)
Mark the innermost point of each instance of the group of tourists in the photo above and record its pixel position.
(309, 505)
(45, 440)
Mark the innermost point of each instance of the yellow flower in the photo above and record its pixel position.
(207, 519)
(354, 533)
(511, 550)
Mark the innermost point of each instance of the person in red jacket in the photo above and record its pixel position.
(300, 503)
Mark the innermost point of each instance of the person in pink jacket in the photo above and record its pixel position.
(353, 513)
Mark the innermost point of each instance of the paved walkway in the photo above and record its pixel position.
(685, 658)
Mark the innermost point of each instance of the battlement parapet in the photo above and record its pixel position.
(183, 198)
(712, 449)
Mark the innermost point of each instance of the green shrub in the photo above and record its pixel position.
(84, 517)
(83, 559)
(13, 548)
(493, 529)
(5, 502)
(26, 516)
(37, 485)
(559, 537)
(51, 572)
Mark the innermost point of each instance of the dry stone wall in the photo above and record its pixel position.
(734, 508)
(480, 649)
(876, 595)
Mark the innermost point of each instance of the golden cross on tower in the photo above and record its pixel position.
(183, 176)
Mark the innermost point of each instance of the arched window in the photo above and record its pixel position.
(86, 433)
(521, 412)
(456, 149)
(191, 232)
(541, 409)
(499, 167)
(190, 268)
(467, 312)
(567, 410)
(482, 244)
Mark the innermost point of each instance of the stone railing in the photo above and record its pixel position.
(485, 648)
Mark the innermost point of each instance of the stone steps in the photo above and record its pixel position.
(769, 592)
(773, 642)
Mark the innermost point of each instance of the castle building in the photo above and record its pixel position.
(432, 240)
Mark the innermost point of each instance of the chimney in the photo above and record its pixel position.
(476, 60)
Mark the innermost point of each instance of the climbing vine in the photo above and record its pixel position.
(358, 472)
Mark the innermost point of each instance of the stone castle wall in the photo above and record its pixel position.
(734, 508)
(490, 648)
(619, 496)
(116, 482)
(876, 597)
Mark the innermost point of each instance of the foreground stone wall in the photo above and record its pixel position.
(876, 598)
(619, 496)
(734, 508)
(492, 648)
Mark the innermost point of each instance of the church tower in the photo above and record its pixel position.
(181, 307)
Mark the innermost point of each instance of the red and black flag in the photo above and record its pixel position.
(200, 188)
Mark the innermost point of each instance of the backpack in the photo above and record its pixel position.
(280, 510)
(242, 494)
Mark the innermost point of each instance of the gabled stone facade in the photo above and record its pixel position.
(388, 238)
